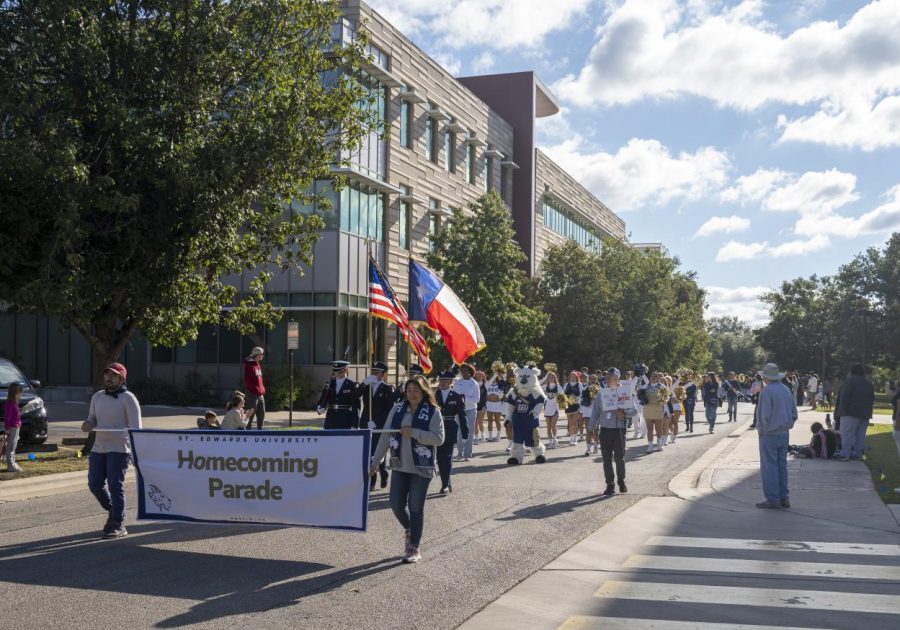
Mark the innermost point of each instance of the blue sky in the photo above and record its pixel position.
(759, 141)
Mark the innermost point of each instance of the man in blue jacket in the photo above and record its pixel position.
(854, 409)
(776, 415)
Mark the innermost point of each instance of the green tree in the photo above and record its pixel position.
(148, 150)
(477, 258)
(619, 307)
(733, 346)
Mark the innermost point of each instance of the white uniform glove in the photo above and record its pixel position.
(370, 380)
(372, 425)
(320, 410)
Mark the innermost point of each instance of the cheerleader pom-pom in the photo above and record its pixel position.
(551, 367)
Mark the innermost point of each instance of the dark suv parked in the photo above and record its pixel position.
(31, 406)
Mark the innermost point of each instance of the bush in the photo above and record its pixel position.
(154, 391)
(193, 392)
(277, 379)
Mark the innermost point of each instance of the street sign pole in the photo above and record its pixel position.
(293, 342)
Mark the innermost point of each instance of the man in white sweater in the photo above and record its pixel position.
(115, 408)
(471, 392)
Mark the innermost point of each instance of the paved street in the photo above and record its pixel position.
(499, 526)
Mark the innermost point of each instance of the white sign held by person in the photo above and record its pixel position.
(309, 478)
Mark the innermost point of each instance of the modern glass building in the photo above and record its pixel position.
(448, 140)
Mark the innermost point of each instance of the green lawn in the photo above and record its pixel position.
(882, 405)
(63, 460)
(883, 461)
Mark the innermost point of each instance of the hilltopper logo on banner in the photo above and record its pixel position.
(307, 478)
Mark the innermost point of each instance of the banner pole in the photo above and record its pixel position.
(371, 340)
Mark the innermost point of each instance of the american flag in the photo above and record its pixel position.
(383, 303)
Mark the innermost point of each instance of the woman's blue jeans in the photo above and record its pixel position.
(408, 493)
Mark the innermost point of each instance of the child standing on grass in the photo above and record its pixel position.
(12, 423)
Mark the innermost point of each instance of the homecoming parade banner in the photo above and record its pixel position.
(309, 478)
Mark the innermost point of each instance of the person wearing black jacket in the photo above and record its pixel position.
(338, 401)
(376, 407)
(453, 408)
(855, 403)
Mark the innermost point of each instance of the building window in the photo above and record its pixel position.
(431, 137)
(362, 211)
(370, 157)
(434, 222)
(470, 163)
(567, 225)
(403, 222)
(487, 173)
(504, 183)
(406, 118)
(450, 151)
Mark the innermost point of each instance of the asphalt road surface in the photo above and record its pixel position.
(500, 525)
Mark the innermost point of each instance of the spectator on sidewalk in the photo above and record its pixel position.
(116, 409)
(12, 423)
(855, 403)
(209, 421)
(812, 388)
(236, 418)
(253, 383)
(776, 415)
(822, 445)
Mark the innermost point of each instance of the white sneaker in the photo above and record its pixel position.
(14, 468)
(509, 447)
(650, 448)
(412, 555)
(673, 438)
(588, 451)
(659, 447)
(595, 449)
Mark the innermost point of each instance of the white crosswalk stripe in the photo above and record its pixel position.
(584, 622)
(859, 549)
(777, 568)
(742, 596)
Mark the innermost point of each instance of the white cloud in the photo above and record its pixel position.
(483, 62)
(798, 247)
(733, 250)
(884, 218)
(725, 225)
(498, 24)
(659, 49)
(815, 192)
(754, 187)
(642, 172)
(742, 302)
(857, 123)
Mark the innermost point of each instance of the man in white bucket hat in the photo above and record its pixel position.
(776, 415)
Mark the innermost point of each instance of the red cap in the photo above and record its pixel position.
(119, 369)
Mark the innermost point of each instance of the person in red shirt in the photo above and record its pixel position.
(253, 384)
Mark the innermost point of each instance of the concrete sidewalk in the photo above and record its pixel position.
(708, 558)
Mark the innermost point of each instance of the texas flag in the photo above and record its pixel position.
(435, 304)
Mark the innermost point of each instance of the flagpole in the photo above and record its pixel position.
(371, 341)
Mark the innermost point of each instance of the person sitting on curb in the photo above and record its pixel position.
(235, 418)
(209, 421)
(822, 446)
(775, 417)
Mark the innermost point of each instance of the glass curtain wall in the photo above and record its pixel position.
(564, 223)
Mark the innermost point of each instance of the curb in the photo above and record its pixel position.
(47, 485)
(695, 481)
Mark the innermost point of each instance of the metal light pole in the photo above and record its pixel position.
(293, 342)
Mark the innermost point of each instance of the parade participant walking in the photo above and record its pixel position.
(12, 423)
(588, 395)
(656, 396)
(496, 388)
(378, 398)
(732, 390)
(552, 389)
(776, 415)
(690, 399)
(710, 393)
(469, 389)
(481, 409)
(573, 392)
(855, 403)
(453, 408)
(339, 401)
(613, 407)
(639, 380)
(419, 429)
(672, 413)
(113, 407)
(812, 388)
(755, 390)
(253, 384)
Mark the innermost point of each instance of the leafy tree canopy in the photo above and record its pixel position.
(148, 149)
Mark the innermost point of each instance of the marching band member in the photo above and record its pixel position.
(551, 409)
(587, 405)
(573, 392)
(496, 388)
(338, 401)
(639, 380)
(690, 399)
(453, 409)
(468, 388)
(481, 408)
